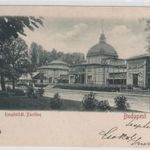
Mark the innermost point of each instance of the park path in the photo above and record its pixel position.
(136, 102)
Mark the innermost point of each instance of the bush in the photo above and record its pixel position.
(4, 94)
(88, 88)
(129, 86)
(121, 103)
(56, 102)
(18, 92)
(40, 92)
(8, 89)
(30, 92)
(103, 105)
(89, 102)
(40, 85)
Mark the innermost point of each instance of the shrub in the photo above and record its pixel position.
(89, 102)
(18, 92)
(129, 86)
(40, 92)
(56, 102)
(40, 85)
(4, 94)
(30, 91)
(103, 105)
(89, 88)
(121, 102)
(8, 89)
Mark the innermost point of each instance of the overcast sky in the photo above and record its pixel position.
(78, 30)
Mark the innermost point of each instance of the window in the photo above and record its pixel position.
(135, 79)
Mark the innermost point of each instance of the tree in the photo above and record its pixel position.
(34, 50)
(16, 58)
(40, 57)
(73, 58)
(12, 27)
(37, 55)
(147, 29)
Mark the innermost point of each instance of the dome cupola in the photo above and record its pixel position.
(102, 38)
(102, 48)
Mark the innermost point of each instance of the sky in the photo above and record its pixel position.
(77, 30)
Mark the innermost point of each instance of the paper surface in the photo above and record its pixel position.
(76, 29)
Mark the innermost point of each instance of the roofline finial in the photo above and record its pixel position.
(102, 26)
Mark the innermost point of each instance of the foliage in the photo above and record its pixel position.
(16, 58)
(87, 88)
(56, 102)
(129, 86)
(103, 105)
(31, 92)
(12, 27)
(40, 57)
(121, 102)
(89, 102)
(4, 94)
(8, 89)
(39, 85)
(40, 92)
(34, 52)
(18, 92)
(147, 29)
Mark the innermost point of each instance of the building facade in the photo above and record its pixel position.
(55, 72)
(102, 66)
(138, 71)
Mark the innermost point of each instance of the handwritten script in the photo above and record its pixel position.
(134, 139)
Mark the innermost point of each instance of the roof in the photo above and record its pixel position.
(56, 65)
(102, 48)
(58, 62)
(34, 74)
(139, 56)
(99, 65)
(39, 76)
(25, 77)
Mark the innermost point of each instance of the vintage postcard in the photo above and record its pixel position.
(74, 76)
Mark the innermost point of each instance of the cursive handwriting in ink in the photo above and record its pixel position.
(135, 125)
(112, 134)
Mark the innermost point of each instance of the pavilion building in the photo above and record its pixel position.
(138, 71)
(102, 66)
(55, 72)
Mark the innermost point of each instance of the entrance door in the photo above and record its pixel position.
(82, 78)
(135, 79)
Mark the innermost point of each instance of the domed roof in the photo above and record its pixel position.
(56, 65)
(58, 62)
(102, 48)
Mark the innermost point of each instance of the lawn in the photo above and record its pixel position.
(42, 103)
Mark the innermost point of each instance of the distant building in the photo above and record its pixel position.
(102, 66)
(25, 79)
(54, 72)
(138, 71)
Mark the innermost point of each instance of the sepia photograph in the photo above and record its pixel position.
(72, 69)
(78, 64)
